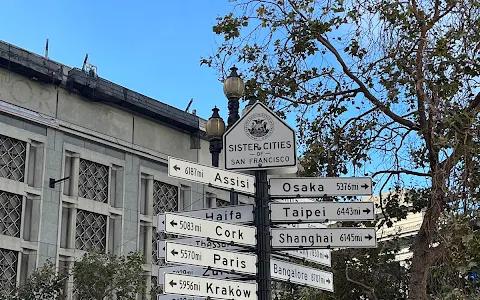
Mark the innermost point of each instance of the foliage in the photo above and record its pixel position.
(384, 88)
(42, 284)
(99, 276)
(449, 277)
(366, 267)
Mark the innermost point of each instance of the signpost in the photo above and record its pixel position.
(237, 214)
(225, 232)
(312, 187)
(311, 212)
(286, 271)
(197, 242)
(216, 259)
(259, 140)
(208, 287)
(195, 271)
(227, 180)
(320, 238)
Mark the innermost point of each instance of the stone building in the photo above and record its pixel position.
(113, 145)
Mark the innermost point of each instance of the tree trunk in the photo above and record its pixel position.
(424, 256)
(419, 268)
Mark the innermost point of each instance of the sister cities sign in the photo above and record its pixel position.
(259, 140)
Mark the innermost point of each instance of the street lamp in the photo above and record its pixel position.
(215, 128)
(233, 88)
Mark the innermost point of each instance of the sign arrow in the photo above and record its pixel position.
(313, 212)
(172, 283)
(321, 238)
(313, 187)
(312, 277)
(211, 258)
(209, 287)
(217, 231)
(226, 180)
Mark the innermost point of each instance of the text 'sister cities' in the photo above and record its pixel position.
(260, 147)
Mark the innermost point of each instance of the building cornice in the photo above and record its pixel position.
(94, 88)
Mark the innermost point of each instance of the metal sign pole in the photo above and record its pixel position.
(262, 222)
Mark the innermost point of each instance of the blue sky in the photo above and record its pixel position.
(151, 47)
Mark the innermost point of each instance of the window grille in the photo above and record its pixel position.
(155, 238)
(159, 237)
(165, 197)
(155, 289)
(221, 203)
(12, 158)
(8, 269)
(93, 181)
(90, 231)
(10, 214)
(154, 281)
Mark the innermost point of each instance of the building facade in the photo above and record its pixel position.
(111, 147)
(404, 229)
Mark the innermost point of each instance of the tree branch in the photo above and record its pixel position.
(356, 118)
(362, 86)
(420, 80)
(365, 90)
(370, 291)
(401, 171)
(475, 103)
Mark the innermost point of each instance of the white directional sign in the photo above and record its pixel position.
(310, 212)
(216, 259)
(178, 297)
(286, 271)
(191, 171)
(194, 271)
(197, 242)
(293, 200)
(318, 238)
(218, 231)
(319, 256)
(207, 287)
(259, 140)
(238, 214)
(302, 225)
(311, 187)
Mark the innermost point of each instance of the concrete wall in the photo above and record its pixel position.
(27, 93)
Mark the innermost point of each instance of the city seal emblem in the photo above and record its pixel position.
(259, 126)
